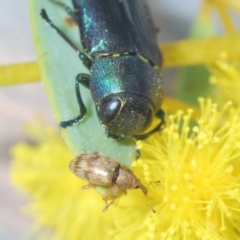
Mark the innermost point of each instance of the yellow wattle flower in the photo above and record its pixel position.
(198, 164)
(61, 209)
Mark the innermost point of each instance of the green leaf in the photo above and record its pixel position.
(193, 80)
(192, 83)
(59, 64)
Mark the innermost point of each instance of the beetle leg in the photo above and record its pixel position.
(83, 57)
(69, 11)
(88, 186)
(81, 78)
(160, 114)
(137, 152)
(114, 190)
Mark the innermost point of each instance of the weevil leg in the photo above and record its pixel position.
(114, 190)
(108, 204)
(138, 153)
(69, 11)
(160, 114)
(83, 79)
(88, 186)
(83, 57)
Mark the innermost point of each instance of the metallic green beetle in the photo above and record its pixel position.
(124, 62)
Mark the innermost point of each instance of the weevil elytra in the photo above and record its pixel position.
(100, 170)
(124, 60)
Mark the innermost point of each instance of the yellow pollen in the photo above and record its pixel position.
(172, 231)
(174, 187)
(186, 129)
(199, 146)
(187, 176)
(190, 187)
(193, 163)
(229, 214)
(189, 141)
(173, 206)
(202, 136)
(145, 167)
(195, 129)
(176, 136)
(215, 139)
(222, 228)
(229, 169)
(185, 198)
(165, 199)
(186, 223)
(163, 235)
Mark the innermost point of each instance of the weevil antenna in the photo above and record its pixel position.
(147, 196)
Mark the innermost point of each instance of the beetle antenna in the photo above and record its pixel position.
(154, 211)
(83, 57)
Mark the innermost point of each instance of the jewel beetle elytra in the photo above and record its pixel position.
(124, 60)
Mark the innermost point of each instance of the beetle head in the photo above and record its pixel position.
(125, 115)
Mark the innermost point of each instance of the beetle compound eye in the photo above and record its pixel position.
(108, 110)
(149, 119)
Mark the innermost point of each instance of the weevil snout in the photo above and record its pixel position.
(142, 187)
(125, 115)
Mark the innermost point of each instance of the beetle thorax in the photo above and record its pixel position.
(126, 179)
(127, 92)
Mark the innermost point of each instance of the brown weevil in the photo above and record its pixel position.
(100, 170)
